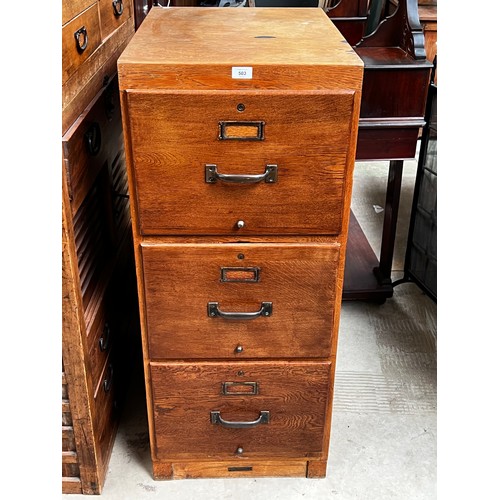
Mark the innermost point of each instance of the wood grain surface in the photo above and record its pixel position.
(71, 8)
(71, 57)
(287, 48)
(295, 393)
(177, 86)
(174, 135)
(109, 20)
(299, 280)
(235, 468)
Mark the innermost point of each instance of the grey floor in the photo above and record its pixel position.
(383, 439)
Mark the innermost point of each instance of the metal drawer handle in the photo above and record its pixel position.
(104, 338)
(266, 310)
(118, 11)
(93, 139)
(82, 39)
(216, 419)
(269, 176)
(108, 381)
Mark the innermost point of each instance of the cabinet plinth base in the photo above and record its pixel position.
(239, 468)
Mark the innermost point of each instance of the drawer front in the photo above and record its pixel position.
(96, 138)
(196, 408)
(113, 14)
(284, 153)
(88, 79)
(194, 293)
(80, 37)
(104, 399)
(106, 411)
(71, 8)
(113, 321)
(100, 341)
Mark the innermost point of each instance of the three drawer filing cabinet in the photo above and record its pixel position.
(241, 129)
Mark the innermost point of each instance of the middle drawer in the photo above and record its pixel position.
(240, 300)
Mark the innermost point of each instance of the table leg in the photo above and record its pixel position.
(384, 269)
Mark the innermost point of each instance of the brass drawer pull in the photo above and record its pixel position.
(269, 176)
(266, 310)
(241, 131)
(118, 10)
(239, 274)
(216, 419)
(82, 39)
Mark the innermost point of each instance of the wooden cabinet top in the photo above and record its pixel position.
(206, 47)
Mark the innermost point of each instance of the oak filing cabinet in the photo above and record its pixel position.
(240, 131)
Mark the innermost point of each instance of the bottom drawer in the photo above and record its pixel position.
(106, 409)
(245, 409)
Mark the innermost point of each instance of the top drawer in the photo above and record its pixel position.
(71, 8)
(274, 161)
(113, 14)
(80, 38)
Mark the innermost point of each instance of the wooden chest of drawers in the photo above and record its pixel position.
(98, 291)
(94, 34)
(99, 303)
(241, 129)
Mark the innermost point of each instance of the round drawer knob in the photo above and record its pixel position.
(240, 224)
(239, 348)
(239, 450)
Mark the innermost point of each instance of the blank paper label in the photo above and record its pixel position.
(242, 73)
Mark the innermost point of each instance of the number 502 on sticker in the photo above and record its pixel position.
(241, 72)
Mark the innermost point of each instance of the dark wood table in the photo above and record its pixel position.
(395, 86)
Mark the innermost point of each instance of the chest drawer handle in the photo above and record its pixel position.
(108, 379)
(118, 10)
(269, 176)
(104, 338)
(216, 419)
(93, 139)
(213, 311)
(82, 39)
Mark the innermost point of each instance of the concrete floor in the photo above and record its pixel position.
(383, 439)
